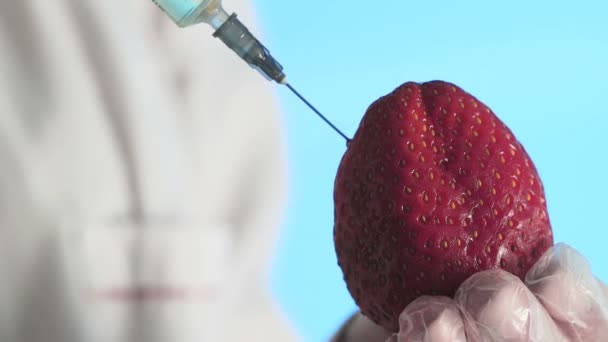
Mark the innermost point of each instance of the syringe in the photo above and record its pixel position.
(236, 36)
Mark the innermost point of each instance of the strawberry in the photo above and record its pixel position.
(432, 189)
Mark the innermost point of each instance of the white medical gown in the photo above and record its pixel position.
(142, 179)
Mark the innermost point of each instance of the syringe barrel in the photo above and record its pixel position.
(185, 12)
(228, 28)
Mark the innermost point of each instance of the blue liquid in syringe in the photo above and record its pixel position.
(182, 12)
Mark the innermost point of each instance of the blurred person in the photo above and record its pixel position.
(142, 179)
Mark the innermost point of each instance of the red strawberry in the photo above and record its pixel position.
(432, 189)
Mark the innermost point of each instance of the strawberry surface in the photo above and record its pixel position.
(432, 189)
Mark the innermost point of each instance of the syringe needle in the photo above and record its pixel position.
(318, 113)
(237, 37)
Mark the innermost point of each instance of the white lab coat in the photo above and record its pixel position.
(142, 179)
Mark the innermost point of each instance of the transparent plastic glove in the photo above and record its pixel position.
(431, 319)
(576, 300)
(497, 306)
(561, 300)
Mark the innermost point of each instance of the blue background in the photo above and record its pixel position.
(540, 65)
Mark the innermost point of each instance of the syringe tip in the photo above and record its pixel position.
(237, 37)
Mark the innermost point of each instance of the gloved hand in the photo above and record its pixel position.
(560, 300)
